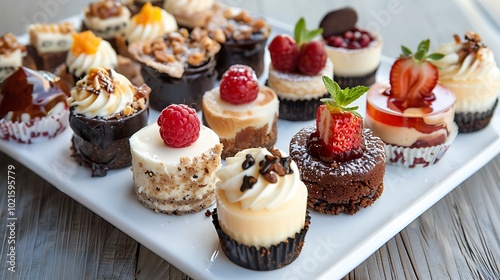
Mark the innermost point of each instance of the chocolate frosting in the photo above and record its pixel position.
(338, 21)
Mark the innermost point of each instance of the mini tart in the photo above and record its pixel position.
(49, 44)
(107, 19)
(354, 67)
(416, 137)
(105, 110)
(299, 95)
(179, 67)
(243, 38)
(37, 114)
(469, 70)
(242, 126)
(175, 180)
(192, 13)
(261, 214)
(341, 186)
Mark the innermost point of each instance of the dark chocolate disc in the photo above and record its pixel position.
(338, 21)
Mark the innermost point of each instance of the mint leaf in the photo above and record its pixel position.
(312, 34)
(341, 98)
(332, 87)
(354, 93)
(300, 29)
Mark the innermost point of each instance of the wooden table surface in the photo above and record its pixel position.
(457, 238)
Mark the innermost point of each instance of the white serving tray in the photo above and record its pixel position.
(334, 244)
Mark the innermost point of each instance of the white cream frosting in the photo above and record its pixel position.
(104, 57)
(358, 62)
(51, 38)
(9, 63)
(104, 104)
(110, 27)
(294, 86)
(138, 32)
(188, 6)
(266, 214)
(230, 119)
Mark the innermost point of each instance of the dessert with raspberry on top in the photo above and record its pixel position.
(341, 163)
(413, 114)
(105, 110)
(469, 70)
(174, 162)
(261, 216)
(296, 70)
(242, 113)
(355, 52)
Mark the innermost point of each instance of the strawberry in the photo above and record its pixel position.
(413, 77)
(339, 129)
(312, 58)
(284, 53)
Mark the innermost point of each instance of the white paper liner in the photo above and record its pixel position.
(35, 130)
(419, 157)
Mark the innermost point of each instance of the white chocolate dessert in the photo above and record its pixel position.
(11, 55)
(175, 180)
(261, 200)
(295, 86)
(150, 23)
(192, 13)
(107, 18)
(51, 38)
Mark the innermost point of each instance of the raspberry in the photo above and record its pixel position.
(312, 58)
(284, 53)
(239, 85)
(179, 125)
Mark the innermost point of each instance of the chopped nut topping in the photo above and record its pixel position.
(196, 59)
(100, 77)
(104, 9)
(237, 26)
(9, 44)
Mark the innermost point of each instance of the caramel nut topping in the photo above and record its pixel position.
(104, 9)
(100, 77)
(9, 44)
(237, 26)
(219, 36)
(196, 59)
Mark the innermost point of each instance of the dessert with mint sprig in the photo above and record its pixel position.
(413, 114)
(341, 163)
(297, 65)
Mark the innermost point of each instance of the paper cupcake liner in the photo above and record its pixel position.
(35, 130)
(299, 110)
(353, 81)
(419, 157)
(261, 259)
(474, 121)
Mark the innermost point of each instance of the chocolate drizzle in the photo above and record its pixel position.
(248, 182)
(249, 162)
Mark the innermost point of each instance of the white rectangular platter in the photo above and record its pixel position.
(334, 244)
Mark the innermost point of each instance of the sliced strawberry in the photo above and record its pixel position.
(312, 58)
(284, 53)
(413, 78)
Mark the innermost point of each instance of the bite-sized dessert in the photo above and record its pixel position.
(469, 70)
(32, 106)
(11, 55)
(413, 114)
(151, 22)
(296, 71)
(179, 67)
(242, 113)
(135, 6)
(105, 110)
(243, 38)
(89, 51)
(355, 52)
(341, 163)
(107, 19)
(174, 161)
(49, 44)
(192, 13)
(261, 216)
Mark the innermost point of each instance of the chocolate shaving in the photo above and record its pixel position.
(248, 182)
(273, 165)
(249, 162)
(100, 78)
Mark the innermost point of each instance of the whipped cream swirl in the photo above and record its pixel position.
(188, 6)
(467, 60)
(137, 32)
(103, 93)
(245, 180)
(80, 64)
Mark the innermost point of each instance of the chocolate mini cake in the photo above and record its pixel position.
(340, 186)
(102, 125)
(179, 67)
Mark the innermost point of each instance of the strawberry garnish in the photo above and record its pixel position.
(413, 78)
(290, 54)
(339, 129)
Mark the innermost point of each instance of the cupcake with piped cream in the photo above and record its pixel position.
(469, 70)
(261, 216)
(149, 23)
(105, 110)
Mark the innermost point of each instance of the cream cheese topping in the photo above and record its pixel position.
(188, 6)
(103, 95)
(104, 57)
(139, 32)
